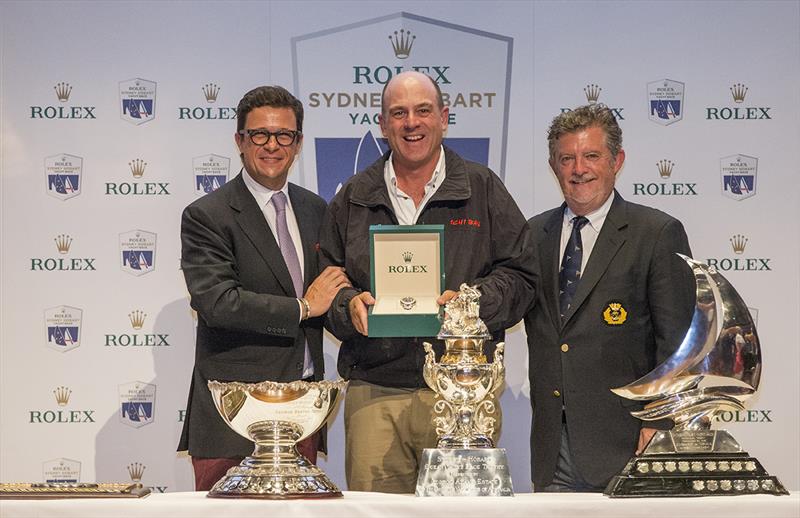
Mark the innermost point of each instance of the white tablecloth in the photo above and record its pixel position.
(379, 505)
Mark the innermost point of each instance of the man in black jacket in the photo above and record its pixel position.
(612, 301)
(388, 407)
(249, 256)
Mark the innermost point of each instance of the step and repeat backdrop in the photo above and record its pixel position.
(116, 115)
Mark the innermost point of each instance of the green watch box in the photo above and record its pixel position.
(407, 276)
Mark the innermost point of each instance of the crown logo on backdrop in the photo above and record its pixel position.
(738, 90)
(738, 242)
(62, 395)
(62, 91)
(402, 43)
(137, 166)
(63, 242)
(137, 318)
(407, 256)
(592, 93)
(136, 471)
(211, 91)
(665, 168)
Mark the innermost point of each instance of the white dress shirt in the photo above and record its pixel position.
(404, 208)
(589, 232)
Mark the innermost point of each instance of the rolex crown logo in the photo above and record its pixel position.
(592, 93)
(738, 90)
(402, 43)
(136, 470)
(62, 91)
(62, 395)
(211, 91)
(137, 166)
(407, 256)
(665, 168)
(738, 242)
(63, 242)
(137, 318)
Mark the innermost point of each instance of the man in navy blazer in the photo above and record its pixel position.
(255, 323)
(613, 301)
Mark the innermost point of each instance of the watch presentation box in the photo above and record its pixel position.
(407, 276)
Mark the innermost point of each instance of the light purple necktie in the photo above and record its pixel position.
(289, 253)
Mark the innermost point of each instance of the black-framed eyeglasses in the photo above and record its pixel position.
(260, 137)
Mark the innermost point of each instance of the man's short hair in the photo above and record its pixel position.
(272, 96)
(439, 98)
(590, 115)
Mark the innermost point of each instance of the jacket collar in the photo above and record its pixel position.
(371, 191)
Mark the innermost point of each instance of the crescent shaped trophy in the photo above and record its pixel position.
(721, 347)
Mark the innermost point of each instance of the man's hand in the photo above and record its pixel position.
(645, 434)
(446, 297)
(321, 292)
(358, 310)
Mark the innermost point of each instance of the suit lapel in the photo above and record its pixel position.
(549, 252)
(608, 242)
(251, 221)
(306, 226)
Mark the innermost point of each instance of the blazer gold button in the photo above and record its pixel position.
(564, 348)
(556, 393)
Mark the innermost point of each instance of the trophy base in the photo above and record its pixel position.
(693, 463)
(282, 479)
(464, 472)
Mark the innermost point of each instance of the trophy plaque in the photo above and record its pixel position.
(275, 416)
(722, 346)
(465, 461)
(52, 490)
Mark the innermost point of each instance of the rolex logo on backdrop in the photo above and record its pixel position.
(63, 175)
(137, 99)
(744, 416)
(61, 262)
(136, 472)
(64, 109)
(592, 95)
(665, 168)
(60, 414)
(61, 471)
(211, 94)
(134, 338)
(740, 261)
(136, 168)
(737, 109)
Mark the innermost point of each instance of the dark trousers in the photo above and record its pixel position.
(567, 478)
(208, 470)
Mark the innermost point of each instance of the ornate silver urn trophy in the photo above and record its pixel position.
(275, 416)
(722, 348)
(465, 461)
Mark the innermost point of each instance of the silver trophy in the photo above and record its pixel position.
(465, 461)
(275, 416)
(722, 348)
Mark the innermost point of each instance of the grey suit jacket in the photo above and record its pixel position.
(249, 325)
(633, 263)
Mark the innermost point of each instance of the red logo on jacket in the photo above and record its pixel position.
(465, 221)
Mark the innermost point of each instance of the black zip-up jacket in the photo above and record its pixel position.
(486, 244)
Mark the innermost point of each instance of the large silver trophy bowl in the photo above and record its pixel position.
(722, 350)
(465, 461)
(275, 416)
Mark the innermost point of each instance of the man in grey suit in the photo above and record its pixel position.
(249, 256)
(613, 301)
